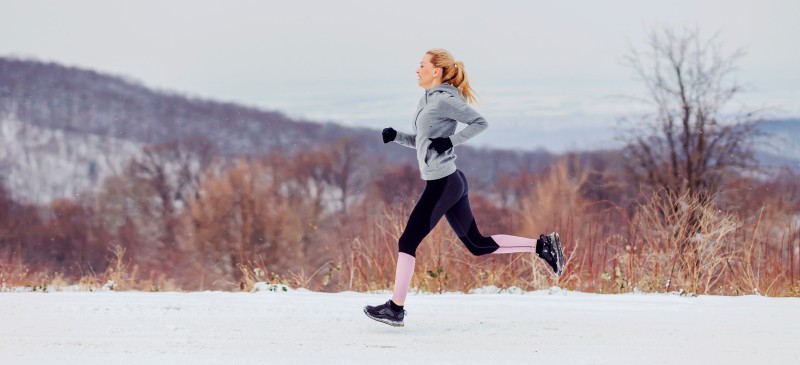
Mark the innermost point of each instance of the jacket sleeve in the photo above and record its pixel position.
(460, 111)
(408, 140)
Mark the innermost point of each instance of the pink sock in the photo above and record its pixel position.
(509, 244)
(402, 277)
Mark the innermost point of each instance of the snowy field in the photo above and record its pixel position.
(301, 327)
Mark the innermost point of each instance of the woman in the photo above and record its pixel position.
(444, 104)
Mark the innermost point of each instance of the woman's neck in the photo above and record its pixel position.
(433, 84)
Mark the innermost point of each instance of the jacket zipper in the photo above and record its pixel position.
(416, 129)
(420, 111)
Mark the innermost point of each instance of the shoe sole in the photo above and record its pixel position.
(383, 320)
(559, 253)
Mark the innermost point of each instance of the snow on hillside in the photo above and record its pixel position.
(780, 146)
(301, 327)
(43, 164)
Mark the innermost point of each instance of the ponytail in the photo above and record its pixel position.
(453, 73)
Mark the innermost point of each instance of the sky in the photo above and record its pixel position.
(549, 74)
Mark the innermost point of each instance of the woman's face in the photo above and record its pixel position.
(427, 73)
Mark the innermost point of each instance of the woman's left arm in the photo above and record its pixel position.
(458, 110)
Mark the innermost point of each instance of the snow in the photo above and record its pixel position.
(488, 326)
(42, 164)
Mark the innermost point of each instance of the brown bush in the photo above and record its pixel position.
(282, 220)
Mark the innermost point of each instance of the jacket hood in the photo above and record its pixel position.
(446, 88)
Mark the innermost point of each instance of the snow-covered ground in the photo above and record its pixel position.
(301, 327)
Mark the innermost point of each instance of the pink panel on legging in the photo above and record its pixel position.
(402, 277)
(510, 244)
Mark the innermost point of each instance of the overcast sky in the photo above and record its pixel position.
(549, 73)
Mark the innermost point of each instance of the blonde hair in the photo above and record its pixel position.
(453, 73)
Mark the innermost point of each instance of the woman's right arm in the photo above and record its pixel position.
(408, 140)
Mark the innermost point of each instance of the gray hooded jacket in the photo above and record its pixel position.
(438, 113)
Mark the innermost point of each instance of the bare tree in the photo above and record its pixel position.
(344, 169)
(160, 182)
(688, 143)
(333, 174)
(173, 170)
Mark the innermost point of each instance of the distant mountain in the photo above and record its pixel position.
(64, 129)
(82, 101)
(781, 144)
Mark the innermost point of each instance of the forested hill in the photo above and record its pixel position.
(52, 96)
(64, 129)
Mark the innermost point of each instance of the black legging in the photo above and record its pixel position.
(445, 197)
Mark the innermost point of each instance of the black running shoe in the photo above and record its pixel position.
(384, 313)
(549, 249)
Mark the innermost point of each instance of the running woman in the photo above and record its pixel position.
(446, 102)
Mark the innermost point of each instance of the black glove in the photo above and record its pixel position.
(389, 135)
(441, 144)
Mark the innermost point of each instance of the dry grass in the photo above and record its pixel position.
(443, 264)
(664, 244)
(667, 244)
(367, 263)
(120, 275)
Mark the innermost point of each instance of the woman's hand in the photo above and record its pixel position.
(441, 144)
(389, 135)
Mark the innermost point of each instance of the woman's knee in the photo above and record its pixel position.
(479, 246)
(408, 245)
